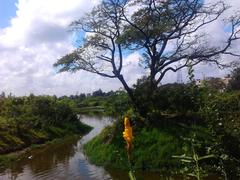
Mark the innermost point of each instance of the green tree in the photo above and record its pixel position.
(2, 95)
(215, 83)
(98, 93)
(165, 32)
(234, 83)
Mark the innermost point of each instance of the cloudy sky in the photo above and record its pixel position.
(35, 33)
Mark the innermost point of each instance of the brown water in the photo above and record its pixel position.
(66, 160)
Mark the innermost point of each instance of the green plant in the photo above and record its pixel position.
(194, 160)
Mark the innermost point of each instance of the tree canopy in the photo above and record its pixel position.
(166, 33)
(234, 83)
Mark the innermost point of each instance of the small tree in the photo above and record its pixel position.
(166, 32)
(215, 83)
(98, 93)
(234, 83)
(2, 95)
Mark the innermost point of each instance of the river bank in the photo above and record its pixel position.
(53, 135)
(153, 151)
(61, 160)
(31, 120)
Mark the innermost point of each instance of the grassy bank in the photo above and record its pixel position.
(194, 122)
(11, 141)
(90, 110)
(31, 120)
(35, 139)
(153, 148)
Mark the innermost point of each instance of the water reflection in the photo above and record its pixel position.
(60, 161)
(66, 161)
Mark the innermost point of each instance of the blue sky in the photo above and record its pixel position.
(35, 33)
(7, 11)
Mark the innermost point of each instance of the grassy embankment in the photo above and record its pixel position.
(153, 147)
(26, 121)
(90, 110)
(12, 145)
(213, 131)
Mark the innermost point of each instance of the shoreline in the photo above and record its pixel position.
(7, 158)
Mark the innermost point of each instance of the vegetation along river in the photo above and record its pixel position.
(65, 160)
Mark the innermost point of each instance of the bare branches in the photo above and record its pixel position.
(103, 28)
(185, 19)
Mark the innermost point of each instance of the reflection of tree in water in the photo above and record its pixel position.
(46, 158)
(63, 160)
(12, 174)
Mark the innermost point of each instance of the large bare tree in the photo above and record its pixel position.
(166, 32)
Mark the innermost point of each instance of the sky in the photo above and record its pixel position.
(7, 11)
(35, 33)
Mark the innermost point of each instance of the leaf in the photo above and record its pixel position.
(191, 174)
(131, 175)
(187, 161)
(206, 157)
(183, 157)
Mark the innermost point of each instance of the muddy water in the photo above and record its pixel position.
(62, 161)
(66, 161)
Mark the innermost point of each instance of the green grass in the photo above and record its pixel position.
(153, 149)
(90, 110)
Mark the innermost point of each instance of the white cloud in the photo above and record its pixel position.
(38, 35)
(216, 35)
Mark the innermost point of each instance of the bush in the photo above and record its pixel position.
(234, 83)
(153, 149)
(169, 98)
(221, 112)
(35, 119)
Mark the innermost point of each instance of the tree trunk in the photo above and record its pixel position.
(136, 104)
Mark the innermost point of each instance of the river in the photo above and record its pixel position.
(66, 160)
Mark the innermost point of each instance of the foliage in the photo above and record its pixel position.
(159, 30)
(217, 134)
(194, 160)
(221, 112)
(168, 98)
(152, 151)
(35, 119)
(177, 98)
(216, 114)
(118, 103)
(215, 84)
(234, 83)
(109, 103)
(98, 93)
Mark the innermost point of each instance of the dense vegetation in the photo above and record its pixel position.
(181, 118)
(158, 30)
(234, 83)
(110, 103)
(33, 120)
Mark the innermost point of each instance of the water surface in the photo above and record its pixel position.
(60, 161)
(66, 161)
